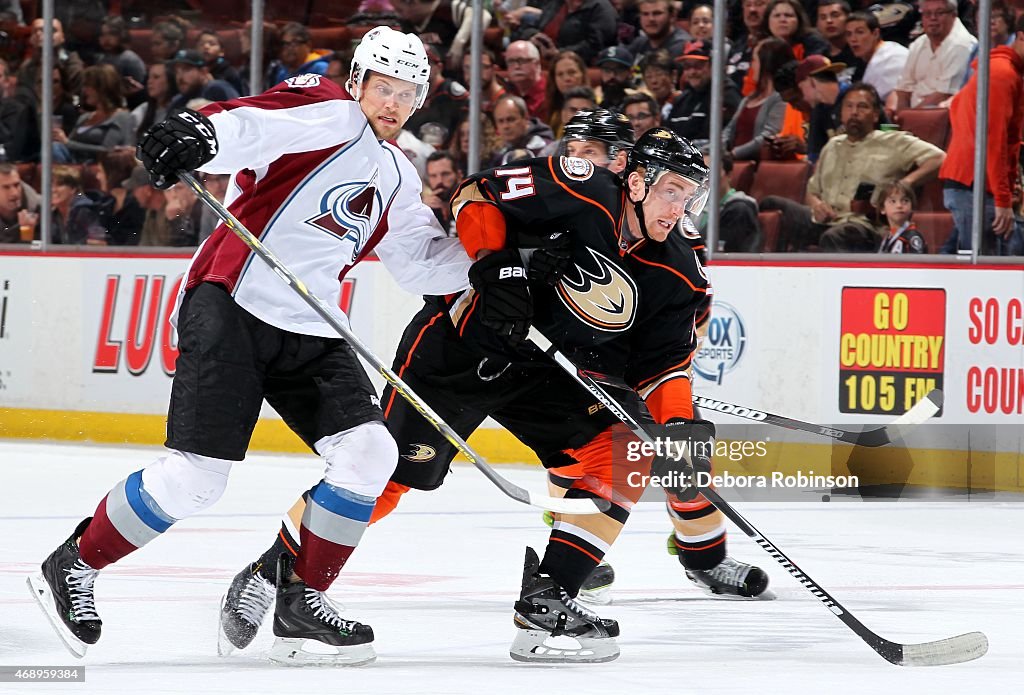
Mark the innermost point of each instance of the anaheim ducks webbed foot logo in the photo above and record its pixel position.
(604, 297)
(420, 453)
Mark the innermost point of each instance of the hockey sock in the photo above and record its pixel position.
(699, 534)
(388, 500)
(124, 521)
(569, 563)
(333, 523)
(284, 544)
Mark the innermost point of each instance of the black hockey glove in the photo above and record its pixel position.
(183, 142)
(697, 441)
(505, 305)
(549, 263)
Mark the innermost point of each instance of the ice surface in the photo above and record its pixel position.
(437, 579)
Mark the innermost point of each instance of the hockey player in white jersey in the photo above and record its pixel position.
(314, 176)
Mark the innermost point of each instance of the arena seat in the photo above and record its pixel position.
(931, 125)
(929, 197)
(742, 176)
(787, 179)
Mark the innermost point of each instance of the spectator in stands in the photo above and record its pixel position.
(658, 70)
(850, 166)
(140, 193)
(526, 78)
(462, 18)
(742, 52)
(65, 112)
(1000, 30)
(166, 39)
(1000, 234)
(895, 202)
(582, 26)
(71, 63)
(658, 29)
(194, 81)
(761, 114)
(567, 71)
(791, 142)
(818, 79)
(105, 126)
(114, 40)
(75, 219)
(642, 112)
(217, 185)
(212, 50)
(739, 230)
(19, 136)
(338, 67)
(269, 42)
(616, 64)
(19, 207)
(518, 130)
(937, 60)
(489, 142)
(160, 89)
(447, 102)
(10, 11)
(183, 212)
(689, 113)
(443, 175)
(880, 62)
(702, 23)
(492, 87)
(576, 99)
(787, 20)
(831, 25)
(423, 18)
(296, 56)
(127, 216)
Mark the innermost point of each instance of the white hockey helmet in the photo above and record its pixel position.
(392, 53)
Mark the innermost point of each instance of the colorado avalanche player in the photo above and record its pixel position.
(314, 176)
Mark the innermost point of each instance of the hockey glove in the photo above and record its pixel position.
(505, 305)
(696, 440)
(549, 263)
(183, 142)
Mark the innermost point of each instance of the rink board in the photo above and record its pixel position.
(86, 354)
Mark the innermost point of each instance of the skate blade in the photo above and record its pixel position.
(44, 597)
(601, 596)
(224, 645)
(766, 595)
(537, 646)
(289, 651)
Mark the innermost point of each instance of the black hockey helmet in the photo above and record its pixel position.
(609, 127)
(659, 151)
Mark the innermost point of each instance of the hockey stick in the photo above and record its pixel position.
(555, 504)
(879, 436)
(952, 650)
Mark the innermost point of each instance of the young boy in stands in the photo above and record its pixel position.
(895, 201)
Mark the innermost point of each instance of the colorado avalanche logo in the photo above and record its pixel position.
(605, 299)
(350, 211)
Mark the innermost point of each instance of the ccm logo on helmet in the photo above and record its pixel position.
(511, 272)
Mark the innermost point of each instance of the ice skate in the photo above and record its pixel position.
(554, 628)
(729, 578)
(243, 609)
(309, 630)
(597, 589)
(64, 590)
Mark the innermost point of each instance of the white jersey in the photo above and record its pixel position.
(313, 182)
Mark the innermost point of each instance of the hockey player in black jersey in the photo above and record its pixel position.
(609, 282)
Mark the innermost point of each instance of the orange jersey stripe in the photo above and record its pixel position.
(408, 358)
(673, 271)
(554, 177)
(682, 366)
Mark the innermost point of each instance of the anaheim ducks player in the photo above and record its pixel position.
(625, 304)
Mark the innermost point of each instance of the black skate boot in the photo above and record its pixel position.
(554, 628)
(729, 578)
(309, 630)
(243, 609)
(597, 589)
(64, 590)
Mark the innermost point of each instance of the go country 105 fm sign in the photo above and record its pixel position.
(892, 347)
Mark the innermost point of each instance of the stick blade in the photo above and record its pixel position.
(953, 650)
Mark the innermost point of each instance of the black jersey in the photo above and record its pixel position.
(627, 307)
(905, 240)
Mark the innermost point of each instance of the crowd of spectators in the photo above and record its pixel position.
(833, 89)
